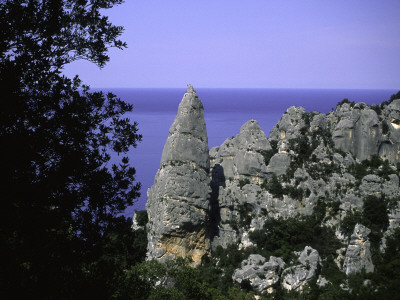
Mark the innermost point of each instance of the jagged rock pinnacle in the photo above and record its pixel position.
(188, 141)
(178, 202)
(190, 89)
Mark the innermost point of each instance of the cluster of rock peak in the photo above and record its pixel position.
(198, 193)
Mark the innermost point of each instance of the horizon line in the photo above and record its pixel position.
(242, 88)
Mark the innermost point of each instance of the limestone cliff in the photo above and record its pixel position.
(178, 202)
(322, 166)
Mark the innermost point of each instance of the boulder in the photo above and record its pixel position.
(262, 276)
(296, 277)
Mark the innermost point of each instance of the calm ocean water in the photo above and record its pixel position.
(225, 111)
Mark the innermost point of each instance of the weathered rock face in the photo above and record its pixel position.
(390, 145)
(288, 127)
(240, 157)
(188, 141)
(358, 254)
(296, 277)
(358, 131)
(262, 276)
(279, 163)
(178, 202)
(375, 186)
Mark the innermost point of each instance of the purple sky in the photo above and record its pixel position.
(253, 44)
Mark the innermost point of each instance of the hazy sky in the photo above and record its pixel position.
(254, 43)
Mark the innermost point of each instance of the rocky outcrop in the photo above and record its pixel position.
(310, 165)
(240, 157)
(237, 170)
(296, 277)
(288, 127)
(279, 164)
(363, 132)
(264, 276)
(358, 254)
(261, 275)
(373, 185)
(178, 202)
(358, 130)
(390, 144)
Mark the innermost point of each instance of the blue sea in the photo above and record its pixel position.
(225, 111)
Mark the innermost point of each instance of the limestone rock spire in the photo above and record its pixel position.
(188, 141)
(178, 202)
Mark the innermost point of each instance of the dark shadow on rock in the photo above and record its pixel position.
(217, 180)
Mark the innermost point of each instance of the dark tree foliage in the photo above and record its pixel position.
(38, 38)
(218, 269)
(274, 186)
(141, 217)
(349, 221)
(141, 282)
(280, 237)
(60, 197)
(375, 218)
(345, 100)
(392, 97)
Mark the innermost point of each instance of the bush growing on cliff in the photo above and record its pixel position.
(392, 97)
(274, 186)
(375, 218)
(345, 100)
(349, 221)
(243, 182)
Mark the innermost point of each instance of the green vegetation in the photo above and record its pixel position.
(245, 214)
(375, 218)
(385, 127)
(349, 221)
(376, 108)
(345, 100)
(243, 182)
(375, 165)
(274, 186)
(141, 217)
(267, 154)
(392, 97)
(280, 237)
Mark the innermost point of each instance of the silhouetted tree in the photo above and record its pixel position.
(61, 200)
